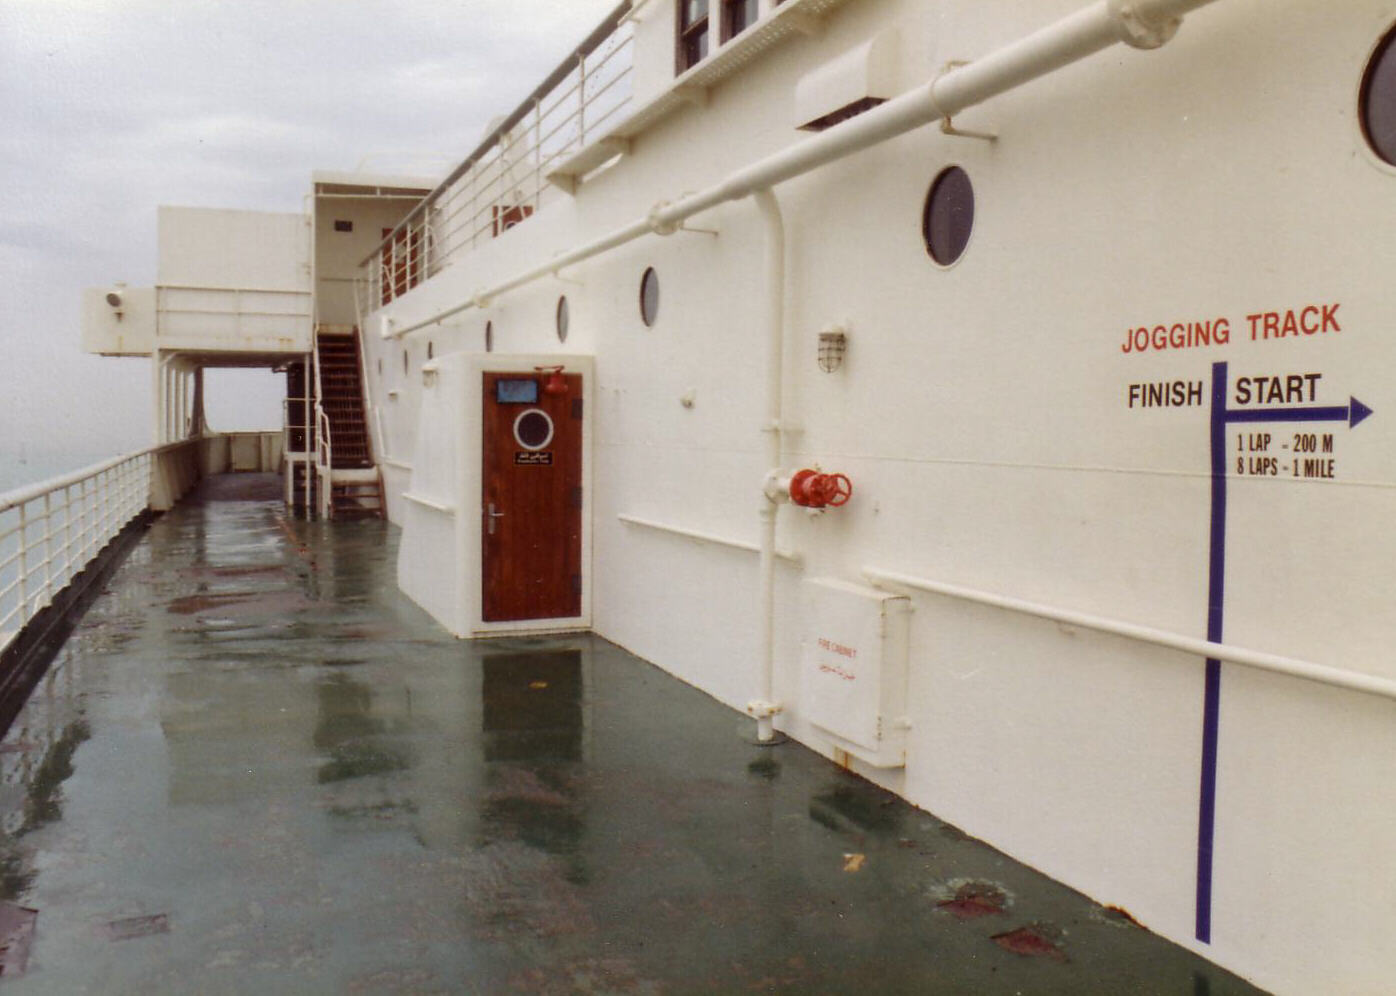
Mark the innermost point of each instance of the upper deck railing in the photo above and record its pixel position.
(504, 180)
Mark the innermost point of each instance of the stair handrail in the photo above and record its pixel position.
(324, 449)
(323, 454)
(371, 416)
(363, 395)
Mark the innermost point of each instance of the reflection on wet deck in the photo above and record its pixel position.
(257, 768)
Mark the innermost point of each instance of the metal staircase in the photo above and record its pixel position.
(349, 485)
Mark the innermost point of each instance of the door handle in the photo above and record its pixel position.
(491, 516)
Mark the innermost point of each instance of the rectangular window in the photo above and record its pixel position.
(693, 33)
(516, 392)
(737, 16)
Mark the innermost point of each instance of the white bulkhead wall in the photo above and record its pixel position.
(339, 253)
(208, 247)
(983, 413)
(233, 281)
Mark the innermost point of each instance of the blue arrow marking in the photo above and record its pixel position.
(1351, 413)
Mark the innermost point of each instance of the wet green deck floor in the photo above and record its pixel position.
(257, 768)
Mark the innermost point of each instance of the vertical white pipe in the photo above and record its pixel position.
(774, 227)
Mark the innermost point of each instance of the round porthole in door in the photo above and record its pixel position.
(533, 429)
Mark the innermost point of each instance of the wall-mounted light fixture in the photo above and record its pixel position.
(114, 298)
(833, 343)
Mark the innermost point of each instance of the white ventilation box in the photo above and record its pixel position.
(854, 667)
(848, 84)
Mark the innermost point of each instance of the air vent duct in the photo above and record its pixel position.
(846, 86)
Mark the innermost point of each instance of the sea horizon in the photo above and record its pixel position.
(22, 467)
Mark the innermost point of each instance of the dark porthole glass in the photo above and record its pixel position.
(431, 350)
(1378, 99)
(404, 361)
(533, 429)
(949, 215)
(489, 337)
(649, 297)
(562, 319)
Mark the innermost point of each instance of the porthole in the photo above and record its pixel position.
(562, 319)
(404, 360)
(948, 217)
(649, 297)
(1377, 102)
(533, 429)
(380, 366)
(431, 350)
(489, 337)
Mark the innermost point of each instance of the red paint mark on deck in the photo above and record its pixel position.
(975, 899)
(1030, 942)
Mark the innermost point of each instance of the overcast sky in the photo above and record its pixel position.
(109, 108)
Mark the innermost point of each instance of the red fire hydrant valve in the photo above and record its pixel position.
(812, 489)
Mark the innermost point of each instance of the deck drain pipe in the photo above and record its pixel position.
(764, 707)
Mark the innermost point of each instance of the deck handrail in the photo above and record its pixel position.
(43, 549)
(1260, 660)
(23, 495)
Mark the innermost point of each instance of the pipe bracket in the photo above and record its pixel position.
(657, 225)
(776, 487)
(1141, 27)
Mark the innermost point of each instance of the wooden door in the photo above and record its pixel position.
(532, 498)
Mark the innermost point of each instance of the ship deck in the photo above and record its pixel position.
(256, 767)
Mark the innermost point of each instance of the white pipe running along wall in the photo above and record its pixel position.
(764, 708)
(1144, 24)
(1259, 659)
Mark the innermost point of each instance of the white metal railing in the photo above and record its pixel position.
(704, 537)
(503, 181)
(1261, 660)
(324, 451)
(50, 531)
(297, 417)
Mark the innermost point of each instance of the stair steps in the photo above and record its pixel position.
(351, 493)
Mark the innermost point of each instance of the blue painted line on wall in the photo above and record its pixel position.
(1211, 708)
